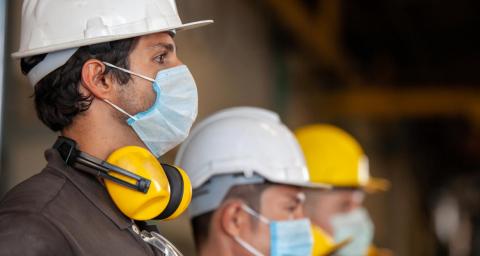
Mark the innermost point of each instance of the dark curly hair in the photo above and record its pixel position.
(57, 96)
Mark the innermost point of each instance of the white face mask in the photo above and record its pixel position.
(168, 121)
(356, 225)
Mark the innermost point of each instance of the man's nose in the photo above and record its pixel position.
(176, 62)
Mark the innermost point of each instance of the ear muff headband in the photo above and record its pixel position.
(89, 164)
(176, 192)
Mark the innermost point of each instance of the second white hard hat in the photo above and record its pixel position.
(243, 140)
(239, 146)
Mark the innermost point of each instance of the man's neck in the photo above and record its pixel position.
(216, 247)
(99, 136)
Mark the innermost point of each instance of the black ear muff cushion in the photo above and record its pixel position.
(176, 190)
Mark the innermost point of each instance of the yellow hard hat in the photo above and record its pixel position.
(334, 157)
(323, 244)
(169, 192)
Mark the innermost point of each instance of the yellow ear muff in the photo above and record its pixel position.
(169, 192)
(180, 194)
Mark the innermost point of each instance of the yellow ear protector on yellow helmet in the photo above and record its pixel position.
(140, 186)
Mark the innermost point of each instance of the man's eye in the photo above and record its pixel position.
(291, 208)
(161, 58)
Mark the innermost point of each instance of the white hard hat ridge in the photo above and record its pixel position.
(54, 25)
(243, 140)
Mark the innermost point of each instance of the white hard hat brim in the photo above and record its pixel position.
(303, 184)
(80, 43)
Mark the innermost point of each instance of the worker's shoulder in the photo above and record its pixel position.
(28, 233)
(33, 194)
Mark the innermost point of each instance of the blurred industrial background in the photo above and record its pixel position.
(400, 75)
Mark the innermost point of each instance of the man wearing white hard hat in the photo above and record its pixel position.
(106, 76)
(247, 171)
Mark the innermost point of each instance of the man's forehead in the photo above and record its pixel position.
(340, 194)
(287, 191)
(157, 40)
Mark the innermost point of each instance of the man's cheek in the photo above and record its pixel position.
(150, 99)
(142, 100)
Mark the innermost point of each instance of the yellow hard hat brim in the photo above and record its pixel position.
(375, 185)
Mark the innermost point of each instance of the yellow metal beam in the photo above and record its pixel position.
(391, 103)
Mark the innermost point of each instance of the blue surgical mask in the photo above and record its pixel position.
(168, 121)
(292, 237)
(357, 226)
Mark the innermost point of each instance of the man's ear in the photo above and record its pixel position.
(94, 79)
(233, 219)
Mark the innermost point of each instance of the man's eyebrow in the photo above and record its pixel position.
(290, 199)
(170, 47)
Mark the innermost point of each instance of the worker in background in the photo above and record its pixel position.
(247, 171)
(98, 67)
(335, 157)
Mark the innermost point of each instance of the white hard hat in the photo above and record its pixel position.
(53, 25)
(60, 27)
(243, 140)
(239, 146)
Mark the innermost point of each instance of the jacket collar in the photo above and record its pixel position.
(90, 187)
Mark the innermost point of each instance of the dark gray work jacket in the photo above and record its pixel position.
(62, 211)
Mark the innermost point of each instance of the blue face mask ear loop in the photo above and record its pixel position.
(247, 246)
(243, 243)
(129, 72)
(265, 220)
(118, 108)
(257, 215)
(272, 224)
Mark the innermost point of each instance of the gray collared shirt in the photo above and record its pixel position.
(62, 211)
